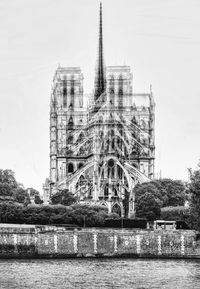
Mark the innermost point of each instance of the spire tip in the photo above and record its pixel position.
(100, 77)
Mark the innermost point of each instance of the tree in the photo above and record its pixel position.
(142, 189)
(36, 195)
(194, 192)
(172, 192)
(12, 191)
(8, 185)
(166, 191)
(63, 197)
(148, 207)
(21, 196)
(8, 177)
(5, 190)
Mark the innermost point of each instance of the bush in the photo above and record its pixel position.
(89, 215)
(113, 216)
(126, 223)
(63, 197)
(179, 213)
(79, 215)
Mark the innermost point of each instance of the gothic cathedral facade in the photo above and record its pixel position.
(101, 145)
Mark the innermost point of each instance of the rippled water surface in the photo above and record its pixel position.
(99, 273)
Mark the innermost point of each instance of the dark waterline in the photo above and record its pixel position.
(99, 273)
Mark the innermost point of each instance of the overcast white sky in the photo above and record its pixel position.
(159, 39)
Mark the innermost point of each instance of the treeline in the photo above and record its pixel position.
(74, 215)
(159, 199)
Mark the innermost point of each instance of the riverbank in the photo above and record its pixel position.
(32, 241)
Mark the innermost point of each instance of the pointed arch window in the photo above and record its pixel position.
(112, 80)
(113, 172)
(72, 91)
(120, 92)
(70, 123)
(116, 209)
(120, 79)
(113, 144)
(64, 96)
(106, 191)
(70, 168)
(80, 165)
(70, 139)
(65, 91)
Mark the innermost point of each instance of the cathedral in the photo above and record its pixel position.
(101, 145)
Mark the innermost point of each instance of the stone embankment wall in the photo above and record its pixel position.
(22, 241)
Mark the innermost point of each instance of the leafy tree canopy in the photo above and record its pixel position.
(8, 185)
(194, 192)
(21, 196)
(8, 177)
(36, 195)
(63, 197)
(142, 189)
(77, 214)
(167, 192)
(148, 206)
(172, 192)
(12, 191)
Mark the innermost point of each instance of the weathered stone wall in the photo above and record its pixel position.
(21, 241)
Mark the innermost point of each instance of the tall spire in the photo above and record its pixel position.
(100, 84)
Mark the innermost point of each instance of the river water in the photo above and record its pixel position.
(99, 273)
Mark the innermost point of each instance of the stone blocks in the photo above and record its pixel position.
(46, 241)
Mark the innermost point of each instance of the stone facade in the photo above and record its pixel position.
(101, 145)
(21, 241)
